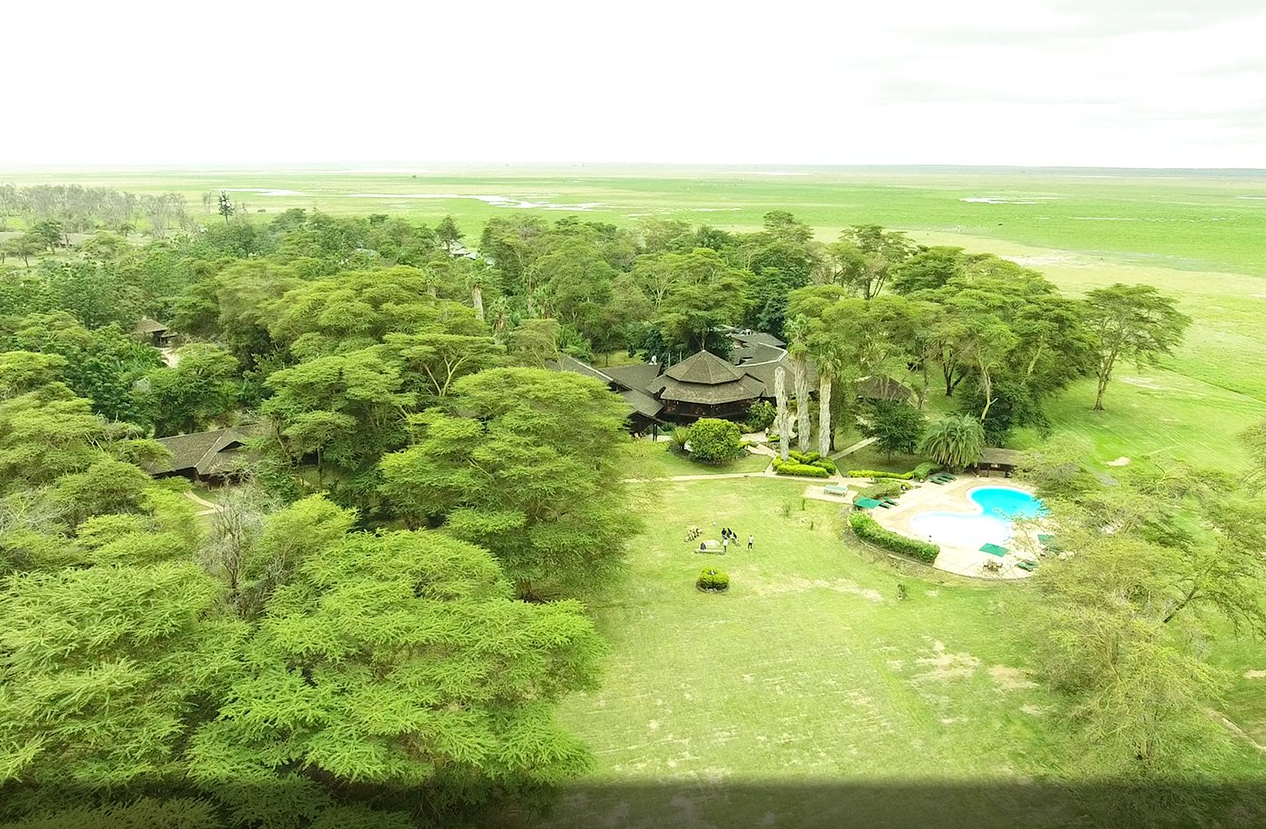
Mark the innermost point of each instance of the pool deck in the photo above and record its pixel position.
(953, 497)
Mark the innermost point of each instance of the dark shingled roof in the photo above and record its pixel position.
(881, 387)
(1001, 457)
(641, 402)
(704, 368)
(207, 453)
(148, 326)
(636, 377)
(635, 398)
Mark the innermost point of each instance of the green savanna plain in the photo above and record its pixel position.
(809, 668)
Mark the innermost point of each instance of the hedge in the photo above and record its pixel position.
(867, 529)
(918, 473)
(875, 473)
(793, 468)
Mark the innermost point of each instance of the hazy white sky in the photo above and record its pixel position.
(1029, 82)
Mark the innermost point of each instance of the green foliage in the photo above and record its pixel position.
(923, 470)
(954, 441)
(877, 473)
(106, 670)
(896, 427)
(713, 580)
(867, 529)
(760, 416)
(883, 488)
(681, 436)
(715, 441)
(402, 660)
(799, 469)
(525, 466)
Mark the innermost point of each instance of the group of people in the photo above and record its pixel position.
(728, 535)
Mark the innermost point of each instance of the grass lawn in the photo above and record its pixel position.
(654, 460)
(808, 669)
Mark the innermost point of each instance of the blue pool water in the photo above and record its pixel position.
(992, 525)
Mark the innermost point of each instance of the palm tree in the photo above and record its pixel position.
(780, 392)
(955, 441)
(797, 350)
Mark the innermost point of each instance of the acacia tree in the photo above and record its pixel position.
(397, 663)
(524, 463)
(1131, 322)
(1117, 626)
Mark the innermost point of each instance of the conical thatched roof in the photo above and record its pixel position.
(705, 378)
(704, 368)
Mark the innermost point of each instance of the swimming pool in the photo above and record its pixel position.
(999, 506)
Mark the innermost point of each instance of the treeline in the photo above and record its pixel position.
(79, 209)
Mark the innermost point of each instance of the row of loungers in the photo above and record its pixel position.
(940, 478)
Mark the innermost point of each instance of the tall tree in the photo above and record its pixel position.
(524, 463)
(1131, 322)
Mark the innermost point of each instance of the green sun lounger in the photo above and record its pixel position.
(1027, 565)
(993, 549)
(867, 503)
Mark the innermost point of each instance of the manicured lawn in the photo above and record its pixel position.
(654, 460)
(808, 669)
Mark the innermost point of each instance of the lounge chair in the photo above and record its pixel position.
(892, 502)
(1027, 565)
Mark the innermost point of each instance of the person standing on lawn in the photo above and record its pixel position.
(751, 542)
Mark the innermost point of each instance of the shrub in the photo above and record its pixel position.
(761, 416)
(713, 580)
(681, 435)
(883, 489)
(923, 470)
(714, 441)
(867, 529)
(804, 457)
(875, 473)
(827, 464)
(793, 468)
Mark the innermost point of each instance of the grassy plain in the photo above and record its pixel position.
(809, 669)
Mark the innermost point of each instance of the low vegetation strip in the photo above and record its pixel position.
(867, 529)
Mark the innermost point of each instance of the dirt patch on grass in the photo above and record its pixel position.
(1121, 461)
(1033, 710)
(945, 665)
(1010, 679)
(1255, 674)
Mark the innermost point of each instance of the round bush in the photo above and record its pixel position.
(713, 580)
(715, 441)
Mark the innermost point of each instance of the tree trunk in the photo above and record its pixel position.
(824, 413)
(780, 392)
(802, 402)
(477, 299)
(1105, 374)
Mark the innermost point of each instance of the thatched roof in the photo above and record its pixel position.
(636, 377)
(206, 453)
(641, 402)
(704, 368)
(149, 326)
(569, 363)
(1001, 457)
(882, 387)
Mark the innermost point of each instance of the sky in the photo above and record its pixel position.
(1130, 83)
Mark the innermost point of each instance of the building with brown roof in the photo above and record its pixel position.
(214, 456)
